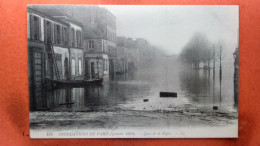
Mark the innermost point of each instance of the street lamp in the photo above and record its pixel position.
(125, 66)
(97, 66)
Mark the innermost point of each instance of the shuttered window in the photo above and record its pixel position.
(48, 29)
(35, 28)
(62, 35)
(52, 32)
(72, 37)
(78, 34)
(91, 44)
(55, 34)
(31, 27)
(65, 33)
(73, 64)
(58, 34)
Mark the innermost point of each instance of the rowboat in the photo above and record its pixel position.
(96, 81)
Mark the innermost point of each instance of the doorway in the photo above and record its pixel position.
(86, 69)
(92, 70)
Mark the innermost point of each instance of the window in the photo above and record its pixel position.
(65, 33)
(48, 31)
(73, 64)
(62, 35)
(72, 37)
(79, 39)
(58, 34)
(91, 44)
(73, 67)
(80, 63)
(80, 66)
(55, 33)
(36, 27)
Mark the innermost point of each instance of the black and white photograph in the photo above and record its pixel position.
(133, 71)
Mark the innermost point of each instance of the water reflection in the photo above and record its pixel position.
(203, 89)
(198, 87)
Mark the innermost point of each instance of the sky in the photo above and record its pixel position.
(171, 27)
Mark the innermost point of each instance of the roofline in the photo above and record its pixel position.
(69, 20)
(76, 23)
(45, 15)
(110, 13)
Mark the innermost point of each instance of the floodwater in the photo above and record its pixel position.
(197, 90)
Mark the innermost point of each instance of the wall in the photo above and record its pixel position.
(98, 45)
(78, 55)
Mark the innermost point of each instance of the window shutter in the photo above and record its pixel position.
(40, 28)
(62, 35)
(52, 32)
(45, 30)
(70, 37)
(67, 35)
(36, 29)
(31, 27)
(55, 35)
(73, 37)
(28, 26)
(80, 40)
(77, 38)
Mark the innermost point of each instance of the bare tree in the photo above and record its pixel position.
(220, 55)
(197, 50)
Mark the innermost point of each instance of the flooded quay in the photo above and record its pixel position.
(118, 102)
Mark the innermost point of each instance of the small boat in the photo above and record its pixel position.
(96, 81)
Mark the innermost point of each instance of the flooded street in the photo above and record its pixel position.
(119, 100)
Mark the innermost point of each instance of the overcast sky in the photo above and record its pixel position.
(171, 27)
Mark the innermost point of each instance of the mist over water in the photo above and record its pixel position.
(195, 89)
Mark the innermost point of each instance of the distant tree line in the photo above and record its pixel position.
(200, 50)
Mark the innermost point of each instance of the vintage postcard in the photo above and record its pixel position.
(132, 71)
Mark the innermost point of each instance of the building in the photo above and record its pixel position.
(41, 29)
(99, 34)
(101, 29)
(99, 41)
(47, 45)
(136, 54)
(75, 44)
(123, 55)
(128, 54)
(66, 42)
(96, 57)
